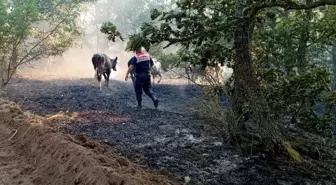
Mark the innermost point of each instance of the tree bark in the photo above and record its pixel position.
(243, 63)
(333, 54)
(247, 92)
(302, 49)
(244, 78)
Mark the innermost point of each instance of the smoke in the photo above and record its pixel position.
(76, 62)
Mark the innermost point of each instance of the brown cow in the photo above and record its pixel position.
(102, 65)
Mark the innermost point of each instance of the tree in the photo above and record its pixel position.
(246, 86)
(167, 59)
(295, 81)
(35, 29)
(110, 29)
(126, 15)
(208, 28)
(333, 53)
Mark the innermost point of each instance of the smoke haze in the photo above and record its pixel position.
(76, 62)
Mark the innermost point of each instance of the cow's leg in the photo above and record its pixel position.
(160, 78)
(99, 77)
(107, 78)
(153, 78)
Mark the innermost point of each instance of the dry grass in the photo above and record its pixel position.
(212, 113)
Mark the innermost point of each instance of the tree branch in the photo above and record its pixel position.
(49, 9)
(287, 5)
(38, 43)
(37, 56)
(194, 36)
(14, 69)
(325, 35)
(14, 53)
(44, 38)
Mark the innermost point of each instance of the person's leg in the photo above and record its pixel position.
(147, 87)
(138, 85)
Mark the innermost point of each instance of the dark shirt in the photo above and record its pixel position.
(142, 63)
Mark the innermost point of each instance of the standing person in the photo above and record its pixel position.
(141, 63)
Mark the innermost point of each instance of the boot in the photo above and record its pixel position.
(156, 103)
(139, 105)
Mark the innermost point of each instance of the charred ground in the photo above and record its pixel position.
(169, 139)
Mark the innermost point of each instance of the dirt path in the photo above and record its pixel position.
(167, 140)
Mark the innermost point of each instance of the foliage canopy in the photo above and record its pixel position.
(35, 29)
(274, 46)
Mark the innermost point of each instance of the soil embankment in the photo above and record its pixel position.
(31, 152)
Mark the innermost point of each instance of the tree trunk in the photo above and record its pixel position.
(247, 92)
(333, 54)
(244, 78)
(302, 49)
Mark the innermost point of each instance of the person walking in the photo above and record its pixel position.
(141, 63)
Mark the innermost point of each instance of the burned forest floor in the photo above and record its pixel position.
(166, 141)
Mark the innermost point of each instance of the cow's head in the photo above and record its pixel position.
(96, 60)
(114, 63)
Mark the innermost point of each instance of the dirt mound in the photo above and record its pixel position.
(38, 154)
